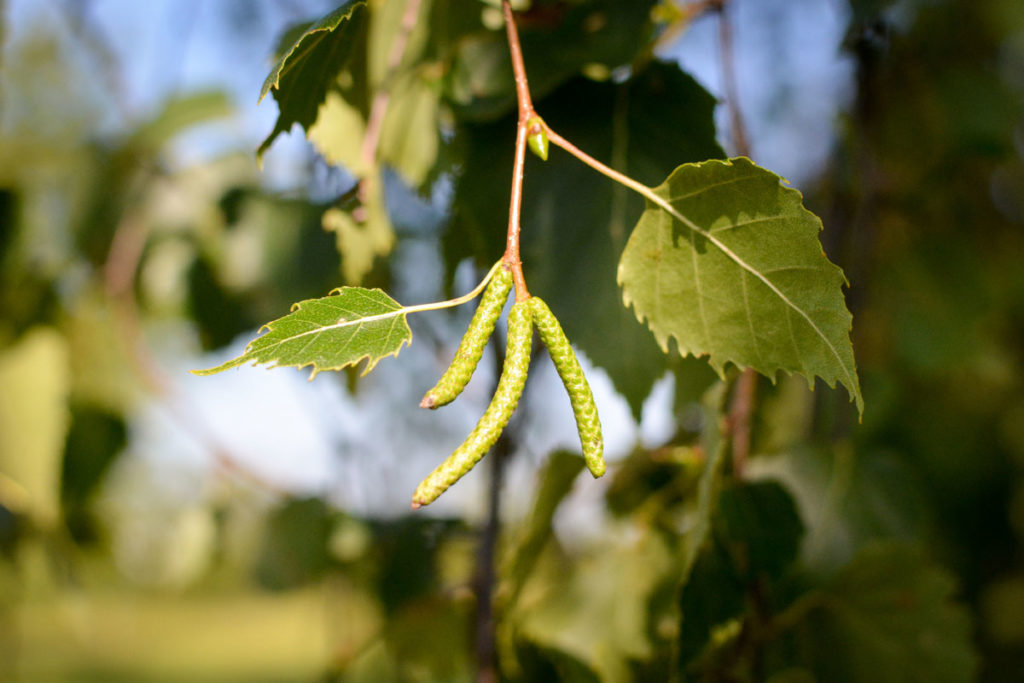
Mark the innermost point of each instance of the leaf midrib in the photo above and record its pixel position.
(666, 205)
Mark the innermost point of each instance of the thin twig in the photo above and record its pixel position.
(603, 169)
(512, 259)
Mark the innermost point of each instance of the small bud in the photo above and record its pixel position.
(537, 137)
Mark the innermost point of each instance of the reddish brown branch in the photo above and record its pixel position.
(525, 105)
(379, 107)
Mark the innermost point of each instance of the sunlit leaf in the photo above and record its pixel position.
(730, 266)
(363, 234)
(330, 333)
(34, 416)
(411, 135)
(598, 615)
(309, 68)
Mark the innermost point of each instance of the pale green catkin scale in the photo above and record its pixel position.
(487, 430)
(471, 348)
(582, 399)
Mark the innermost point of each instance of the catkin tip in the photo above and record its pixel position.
(416, 505)
(428, 401)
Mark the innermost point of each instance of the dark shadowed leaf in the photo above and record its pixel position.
(310, 66)
(888, 617)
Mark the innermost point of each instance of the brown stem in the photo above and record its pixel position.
(620, 178)
(382, 98)
(740, 411)
(525, 104)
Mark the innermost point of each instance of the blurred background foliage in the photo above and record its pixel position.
(141, 541)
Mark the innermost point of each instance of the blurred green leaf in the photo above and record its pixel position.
(330, 333)
(179, 114)
(713, 596)
(411, 135)
(363, 233)
(558, 40)
(848, 499)
(219, 314)
(34, 386)
(888, 617)
(556, 481)
(294, 550)
(310, 66)
(94, 440)
(598, 614)
(760, 528)
(337, 134)
(405, 552)
(735, 271)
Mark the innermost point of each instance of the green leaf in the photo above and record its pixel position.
(728, 263)
(760, 527)
(888, 617)
(411, 135)
(337, 134)
(363, 234)
(597, 614)
(848, 499)
(35, 382)
(294, 550)
(310, 66)
(330, 333)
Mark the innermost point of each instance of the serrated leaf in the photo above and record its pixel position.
(730, 265)
(310, 67)
(330, 333)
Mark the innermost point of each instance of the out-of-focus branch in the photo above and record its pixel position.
(382, 98)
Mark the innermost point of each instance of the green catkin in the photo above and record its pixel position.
(487, 430)
(471, 348)
(582, 399)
